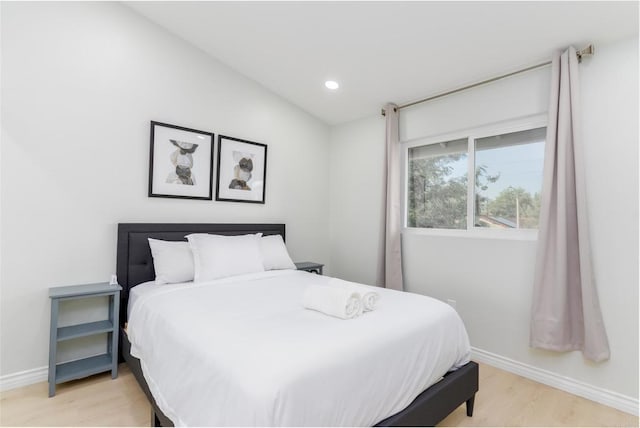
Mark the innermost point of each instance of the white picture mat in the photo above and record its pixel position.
(162, 166)
(226, 173)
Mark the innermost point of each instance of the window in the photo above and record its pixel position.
(509, 179)
(438, 185)
(489, 180)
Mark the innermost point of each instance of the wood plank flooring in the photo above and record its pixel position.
(94, 401)
(504, 400)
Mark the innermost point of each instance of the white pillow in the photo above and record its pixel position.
(218, 256)
(274, 253)
(172, 261)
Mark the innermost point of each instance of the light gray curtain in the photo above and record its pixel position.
(566, 313)
(390, 257)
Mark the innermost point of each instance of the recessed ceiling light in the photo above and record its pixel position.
(330, 84)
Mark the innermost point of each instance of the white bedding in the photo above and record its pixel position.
(139, 290)
(243, 351)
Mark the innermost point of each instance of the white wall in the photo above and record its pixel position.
(357, 156)
(491, 279)
(80, 83)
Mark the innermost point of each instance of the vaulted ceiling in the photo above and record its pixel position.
(384, 51)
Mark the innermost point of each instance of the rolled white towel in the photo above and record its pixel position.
(369, 300)
(338, 302)
(368, 295)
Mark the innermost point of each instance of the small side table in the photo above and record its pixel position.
(310, 267)
(63, 372)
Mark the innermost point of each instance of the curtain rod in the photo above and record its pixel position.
(581, 53)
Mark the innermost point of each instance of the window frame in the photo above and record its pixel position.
(471, 134)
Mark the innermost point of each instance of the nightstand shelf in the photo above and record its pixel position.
(81, 330)
(65, 371)
(82, 368)
(310, 267)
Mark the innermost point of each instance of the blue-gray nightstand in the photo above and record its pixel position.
(62, 372)
(310, 267)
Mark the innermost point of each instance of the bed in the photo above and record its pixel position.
(261, 400)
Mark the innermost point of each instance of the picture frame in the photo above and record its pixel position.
(241, 170)
(180, 162)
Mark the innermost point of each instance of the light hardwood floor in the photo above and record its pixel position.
(504, 400)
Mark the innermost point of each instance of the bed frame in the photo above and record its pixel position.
(135, 266)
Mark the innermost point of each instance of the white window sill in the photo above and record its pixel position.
(475, 233)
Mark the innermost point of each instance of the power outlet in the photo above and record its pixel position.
(451, 303)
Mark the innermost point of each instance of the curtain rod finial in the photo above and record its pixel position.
(589, 50)
(384, 112)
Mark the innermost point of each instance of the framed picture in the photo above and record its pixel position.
(242, 170)
(180, 162)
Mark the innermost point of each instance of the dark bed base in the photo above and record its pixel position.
(438, 401)
(135, 265)
(429, 408)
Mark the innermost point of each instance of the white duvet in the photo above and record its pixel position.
(244, 352)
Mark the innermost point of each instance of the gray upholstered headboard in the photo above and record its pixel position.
(134, 264)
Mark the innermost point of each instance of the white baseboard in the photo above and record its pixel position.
(600, 395)
(27, 377)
